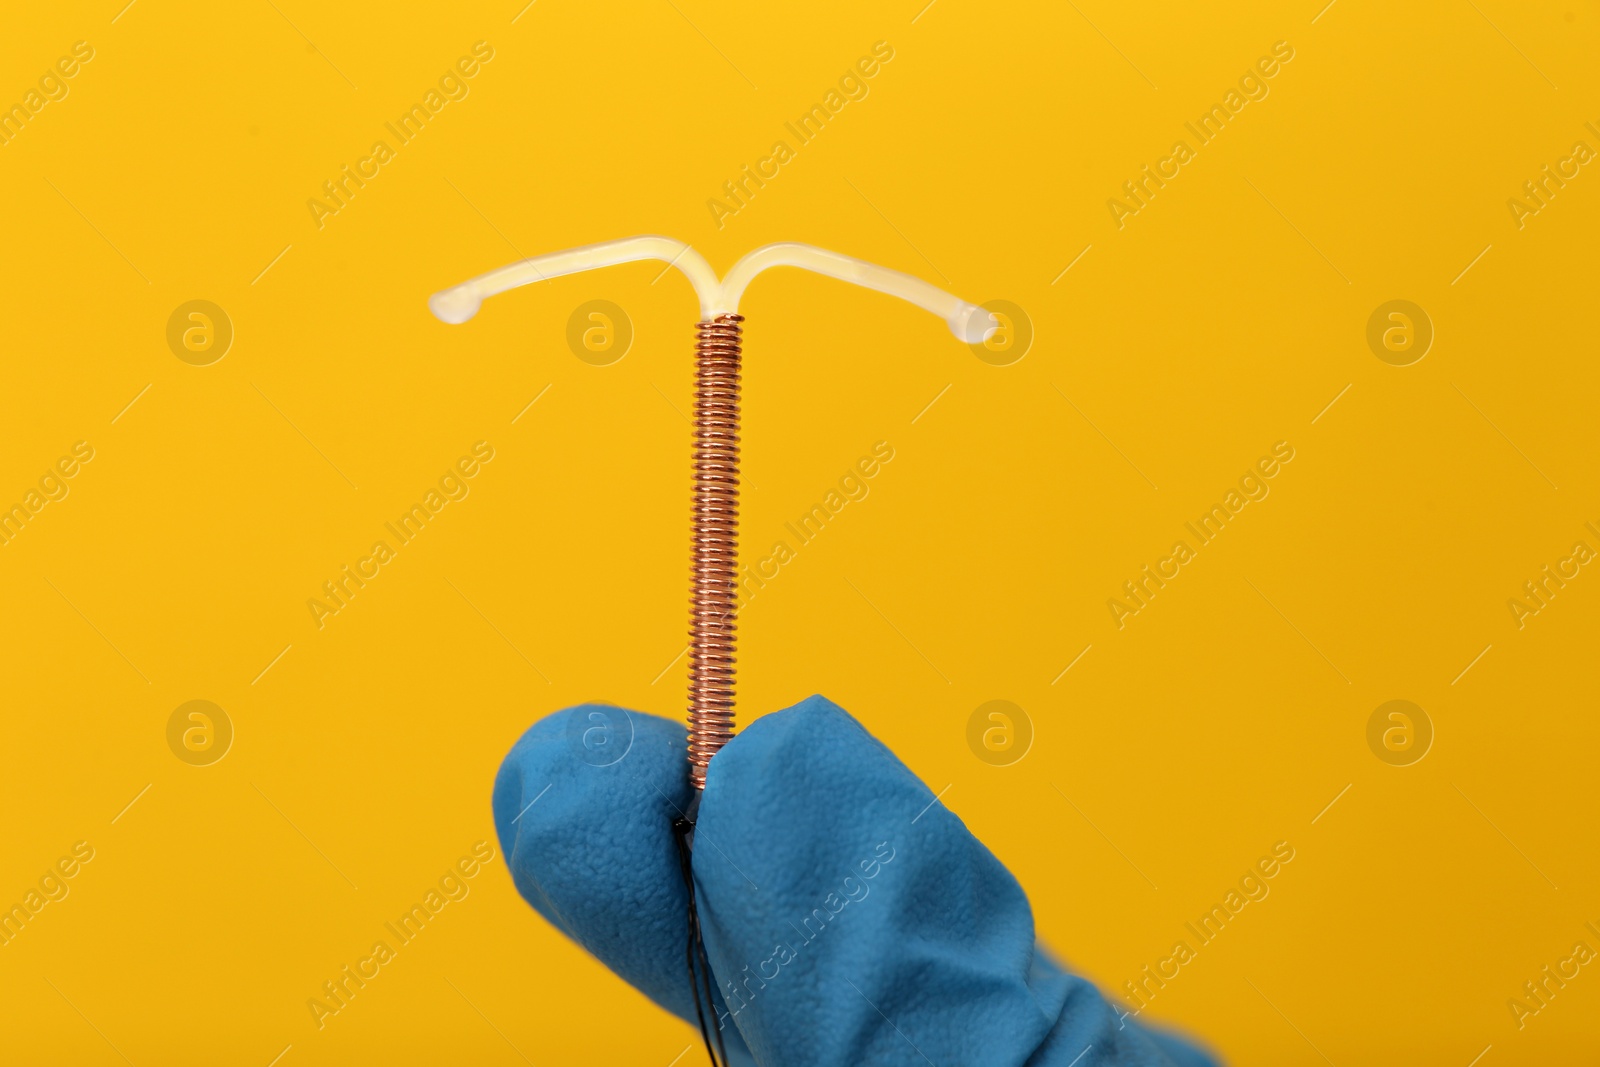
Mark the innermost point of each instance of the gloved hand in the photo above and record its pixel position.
(848, 920)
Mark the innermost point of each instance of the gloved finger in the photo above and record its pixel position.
(583, 806)
(850, 918)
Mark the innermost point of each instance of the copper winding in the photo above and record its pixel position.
(714, 540)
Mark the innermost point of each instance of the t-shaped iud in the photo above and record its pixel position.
(714, 537)
(715, 517)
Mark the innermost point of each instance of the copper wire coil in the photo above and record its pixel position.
(714, 540)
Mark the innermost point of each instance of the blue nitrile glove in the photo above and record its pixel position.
(848, 919)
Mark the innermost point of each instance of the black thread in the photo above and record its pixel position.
(695, 948)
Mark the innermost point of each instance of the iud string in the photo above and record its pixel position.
(714, 513)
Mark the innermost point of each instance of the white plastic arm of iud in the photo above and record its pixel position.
(968, 322)
(459, 304)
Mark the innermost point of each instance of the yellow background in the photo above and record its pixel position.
(1222, 318)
